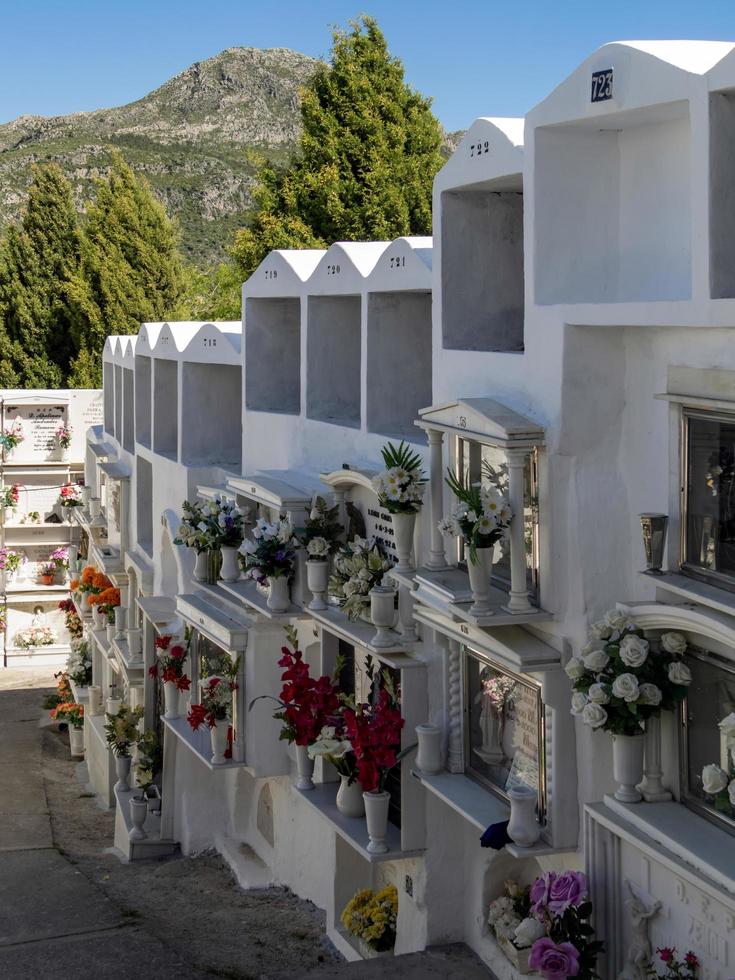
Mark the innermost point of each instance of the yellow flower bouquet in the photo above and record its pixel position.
(372, 917)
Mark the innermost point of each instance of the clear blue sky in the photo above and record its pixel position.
(475, 58)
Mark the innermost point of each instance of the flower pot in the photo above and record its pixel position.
(218, 737)
(403, 528)
(138, 813)
(135, 643)
(317, 580)
(112, 706)
(479, 573)
(368, 953)
(9, 515)
(111, 631)
(383, 615)
(278, 599)
(429, 754)
(349, 798)
(523, 827)
(628, 766)
(171, 700)
(99, 622)
(95, 699)
(121, 620)
(304, 768)
(230, 568)
(200, 566)
(122, 768)
(376, 812)
(64, 454)
(47, 579)
(76, 740)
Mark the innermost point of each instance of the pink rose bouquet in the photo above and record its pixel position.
(560, 902)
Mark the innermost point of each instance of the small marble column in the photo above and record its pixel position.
(652, 787)
(518, 601)
(437, 558)
(455, 755)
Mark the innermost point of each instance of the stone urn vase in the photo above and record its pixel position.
(403, 531)
(479, 573)
(172, 700)
(376, 813)
(279, 598)
(349, 798)
(429, 754)
(317, 580)
(218, 736)
(122, 768)
(121, 621)
(76, 740)
(138, 813)
(304, 768)
(383, 615)
(200, 566)
(230, 570)
(523, 827)
(628, 766)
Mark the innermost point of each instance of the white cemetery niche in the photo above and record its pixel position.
(722, 201)
(165, 407)
(108, 384)
(271, 308)
(398, 374)
(117, 505)
(39, 417)
(143, 379)
(613, 180)
(144, 504)
(478, 199)
(334, 332)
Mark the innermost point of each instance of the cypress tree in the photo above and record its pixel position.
(130, 272)
(40, 256)
(369, 150)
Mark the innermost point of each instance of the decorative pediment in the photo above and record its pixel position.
(485, 421)
(283, 272)
(115, 470)
(344, 479)
(281, 490)
(344, 267)
(213, 622)
(490, 151)
(404, 265)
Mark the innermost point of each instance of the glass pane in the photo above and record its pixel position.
(504, 727)
(711, 698)
(212, 659)
(710, 489)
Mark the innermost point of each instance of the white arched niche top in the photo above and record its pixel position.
(712, 630)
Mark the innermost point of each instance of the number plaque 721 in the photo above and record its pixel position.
(602, 85)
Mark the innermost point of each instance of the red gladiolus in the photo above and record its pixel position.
(153, 671)
(177, 651)
(162, 642)
(197, 716)
(665, 953)
(375, 734)
(183, 683)
(691, 960)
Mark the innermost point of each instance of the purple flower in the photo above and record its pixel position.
(554, 962)
(567, 891)
(539, 894)
(280, 555)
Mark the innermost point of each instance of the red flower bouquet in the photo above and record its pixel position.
(375, 733)
(171, 660)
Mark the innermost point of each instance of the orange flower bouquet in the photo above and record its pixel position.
(106, 601)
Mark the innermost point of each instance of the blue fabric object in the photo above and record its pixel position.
(496, 836)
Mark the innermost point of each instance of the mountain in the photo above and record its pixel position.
(199, 139)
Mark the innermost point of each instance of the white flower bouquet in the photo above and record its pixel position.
(358, 567)
(271, 552)
(718, 783)
(321, 532)
(400, 485)
(481, 516)
(210, 524)
(79, 663)
(34, 636)
(620, 678)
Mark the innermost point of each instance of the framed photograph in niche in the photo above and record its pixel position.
(504, 728)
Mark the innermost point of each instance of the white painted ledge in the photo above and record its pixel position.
(472, 801)
(199, 743)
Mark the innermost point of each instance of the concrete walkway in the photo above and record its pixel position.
(68, 906)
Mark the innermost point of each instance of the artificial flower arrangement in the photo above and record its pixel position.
(400, 485)
(90, 583)
(63, 693)
(71, 619)
(70, 496)
(60, 558)
(271, 552)
(306, 704)
(63, 436)
(171, 661)
(551, 920)
(210, 524)
(121, 729)
(374, 731)
(718, 783)
(106, 601)
(34, 636)
(321, 532)
(674, 968)
(150, 760)
(47, 572)
(358, 567)
(79, 663)
(32, 517)
(332, 745)
(69, 713)
(11, 561)
(9, 496)
(481, 516)
(620, 679)
(372, 917)
(12, 437)
(216, 695)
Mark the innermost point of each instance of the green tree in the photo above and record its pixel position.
(130, 271)
(369, 150)
(40, 257)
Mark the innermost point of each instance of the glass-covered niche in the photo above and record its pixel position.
(710, 700)
(504, 728)
(708, 496)
(487, 465)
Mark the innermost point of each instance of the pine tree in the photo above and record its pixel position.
(40, 256)
(130, 272)
(369, 150)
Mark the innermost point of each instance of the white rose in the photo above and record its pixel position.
(579, 700)
(615, 619)
(574, 669)
(594, 715)
(592, 645)
(633, 650)
(650, 694)
(600, 631)
(731, 792)
(679, 673)
(727, 726)
(598, 694)
(714, 779)
(597, 660)
(673, 643)
(626, 687)
(528, 932)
